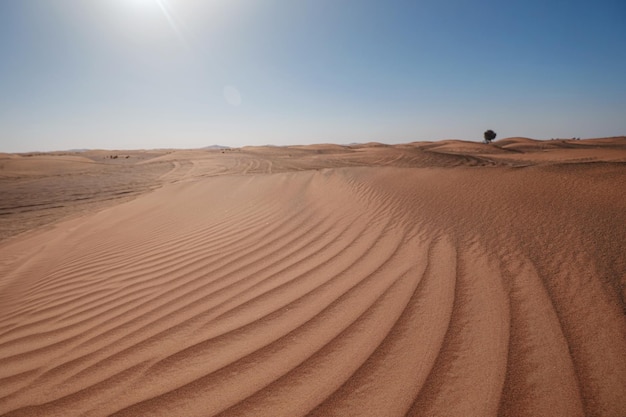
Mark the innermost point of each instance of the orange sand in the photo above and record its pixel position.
(427, 279)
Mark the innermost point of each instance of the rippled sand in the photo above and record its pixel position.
(427, 279)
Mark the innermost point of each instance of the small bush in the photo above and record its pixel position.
(489, 135)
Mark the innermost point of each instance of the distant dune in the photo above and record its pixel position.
(427, 279)
(217, 147)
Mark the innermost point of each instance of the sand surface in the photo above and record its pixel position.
(427, 279)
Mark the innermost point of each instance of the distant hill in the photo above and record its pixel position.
(216, 147)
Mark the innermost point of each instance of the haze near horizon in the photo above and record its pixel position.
(131, 74)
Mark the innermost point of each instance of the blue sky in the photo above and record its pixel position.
(128, 74)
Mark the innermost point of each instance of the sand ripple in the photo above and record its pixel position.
(349, 291)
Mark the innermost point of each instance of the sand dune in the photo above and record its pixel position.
(431, 279)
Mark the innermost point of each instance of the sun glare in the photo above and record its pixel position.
(143, 2)
(165, 8)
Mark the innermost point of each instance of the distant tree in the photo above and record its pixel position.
(489, 136)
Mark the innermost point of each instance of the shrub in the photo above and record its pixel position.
(489, 136)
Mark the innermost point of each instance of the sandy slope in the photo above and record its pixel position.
(422, 279)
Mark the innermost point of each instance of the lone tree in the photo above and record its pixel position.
(489, 135)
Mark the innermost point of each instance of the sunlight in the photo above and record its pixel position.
(143, 3)
(166, 9)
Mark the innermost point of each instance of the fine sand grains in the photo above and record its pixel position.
(262, 284)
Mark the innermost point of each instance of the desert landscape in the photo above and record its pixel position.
(446, 278)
